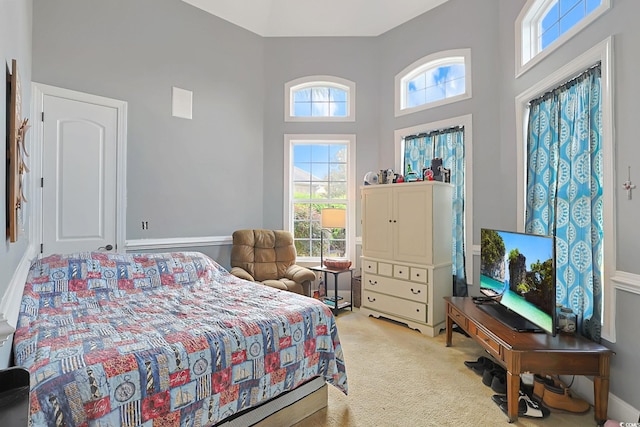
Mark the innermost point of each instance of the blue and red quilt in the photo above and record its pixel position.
(167, 339)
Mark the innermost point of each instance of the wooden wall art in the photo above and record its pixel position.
(16, 152)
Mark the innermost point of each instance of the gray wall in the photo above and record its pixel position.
(187, 178)
(203, 177)
(15, 43)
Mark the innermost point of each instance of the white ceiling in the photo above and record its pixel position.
(303, 18)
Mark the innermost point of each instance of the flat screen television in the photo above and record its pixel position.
(517, 271)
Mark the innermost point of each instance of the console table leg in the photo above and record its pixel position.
(449, 330)
(513, 386)
(601, 391)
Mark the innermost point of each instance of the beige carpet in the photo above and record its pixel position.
(399, 377)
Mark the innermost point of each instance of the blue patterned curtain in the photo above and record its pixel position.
(447, 144)
(564, 191)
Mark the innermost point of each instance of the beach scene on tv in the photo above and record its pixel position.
(517, 270)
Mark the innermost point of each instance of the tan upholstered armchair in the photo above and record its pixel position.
(269, 256)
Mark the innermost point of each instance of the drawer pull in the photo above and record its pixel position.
(373, 282)
(417, 310)
(399, 271)
(371, 299)
(414, 292)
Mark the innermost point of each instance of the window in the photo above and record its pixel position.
(600, 53)
(320, 174)
(544, 25)
(320, 98)
(434, 80)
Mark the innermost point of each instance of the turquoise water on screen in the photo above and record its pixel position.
(518, 304)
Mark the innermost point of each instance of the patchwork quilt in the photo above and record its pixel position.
(166, 339)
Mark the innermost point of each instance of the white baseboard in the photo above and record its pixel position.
(10, 302)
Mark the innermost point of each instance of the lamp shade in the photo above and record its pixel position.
(333, 218)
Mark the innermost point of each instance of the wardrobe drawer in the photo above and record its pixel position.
(419, 275)
(401, 272)
(412, 291)
(385, 269)
(369, 266)
(396, 306)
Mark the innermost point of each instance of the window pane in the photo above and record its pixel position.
(320, 153)
(456, 71)
(338, 153)
(302, 190)
(550, 36)
(338, 109)
(302, 95)
(302, 109)
(338, 95)
(435, 93)
(338, 190)
(567, 5)
(320, 94)
(415, 99)
(551, 18)
(320, 171)
(302, 247)
(320, 109)
(320, 190)
(571, 19)
(417, 83)
(301, 153)
(301, 211)
(455, 87)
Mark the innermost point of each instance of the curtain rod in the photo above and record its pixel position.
(436, 132)
(594, 69)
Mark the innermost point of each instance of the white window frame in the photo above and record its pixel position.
(603, 53)
(527, 29)
(434, 60)
(467, 122)
(322, 81)
(350, 140)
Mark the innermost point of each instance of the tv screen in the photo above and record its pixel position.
(518, 271)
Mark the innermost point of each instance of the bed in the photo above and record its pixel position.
(168, 339)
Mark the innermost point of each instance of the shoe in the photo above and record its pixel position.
(560, 398)
(480, 365)
(538, 386)
(499, 383)
(527, 407)
(488, 374)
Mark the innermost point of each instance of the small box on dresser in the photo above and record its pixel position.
(406, 253)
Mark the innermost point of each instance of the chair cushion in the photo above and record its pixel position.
(265, 254)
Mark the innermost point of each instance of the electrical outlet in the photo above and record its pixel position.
(145, 225)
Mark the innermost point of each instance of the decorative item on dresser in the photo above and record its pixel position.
(406, 253)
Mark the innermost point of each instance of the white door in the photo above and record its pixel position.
(79, 176)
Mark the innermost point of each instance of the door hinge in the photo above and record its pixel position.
(42, 116)
(41, 248)
(41, 182)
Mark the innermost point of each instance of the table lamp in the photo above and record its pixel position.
(330, 218)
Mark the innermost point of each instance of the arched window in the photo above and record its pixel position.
(544, 25)
(320, 98)
(434, 80)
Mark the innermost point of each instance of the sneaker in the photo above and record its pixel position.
(527, 407)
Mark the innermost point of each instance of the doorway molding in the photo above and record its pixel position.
(39, 91)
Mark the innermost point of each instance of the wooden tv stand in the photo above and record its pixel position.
(539, 353)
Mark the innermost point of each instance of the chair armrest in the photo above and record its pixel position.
(242, 274)
(299, 274)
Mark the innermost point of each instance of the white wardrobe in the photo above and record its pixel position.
(406, 252)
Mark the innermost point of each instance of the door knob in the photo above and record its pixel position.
(106, 248)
